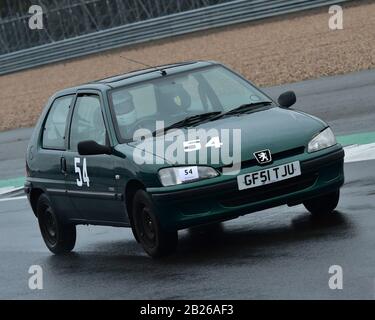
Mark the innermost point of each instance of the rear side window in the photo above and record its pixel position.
(54, 127)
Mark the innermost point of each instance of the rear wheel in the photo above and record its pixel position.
(155, 241)
(59, 238)
(323, 205)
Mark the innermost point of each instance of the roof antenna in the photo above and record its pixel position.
(162, 71)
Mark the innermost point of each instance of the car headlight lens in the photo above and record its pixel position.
(323, 140)
(180, 175)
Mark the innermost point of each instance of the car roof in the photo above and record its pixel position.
(138, 76)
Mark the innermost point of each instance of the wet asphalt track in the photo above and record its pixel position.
(280, 253)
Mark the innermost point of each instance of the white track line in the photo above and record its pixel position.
(13, 199)
(355, 153)
(9, 189)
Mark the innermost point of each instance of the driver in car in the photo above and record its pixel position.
(126, 114)
(174, 102)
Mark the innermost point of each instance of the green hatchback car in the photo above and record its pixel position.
(172, 147)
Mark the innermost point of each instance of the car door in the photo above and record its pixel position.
(91, 180)
(51, 148)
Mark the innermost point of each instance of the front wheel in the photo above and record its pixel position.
(323, 205)
(155, 241)
(59, 238)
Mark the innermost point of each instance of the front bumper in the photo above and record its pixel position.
(223, 201)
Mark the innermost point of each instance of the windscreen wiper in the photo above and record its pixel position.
(189, 121)
(243, 109)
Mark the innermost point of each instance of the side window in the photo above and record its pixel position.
(54, 127)
(87, 122)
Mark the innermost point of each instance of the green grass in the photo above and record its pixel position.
(15, 182)
(357, 138)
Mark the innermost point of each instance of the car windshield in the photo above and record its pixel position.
(209, 91)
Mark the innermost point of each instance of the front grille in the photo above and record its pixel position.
(276, 156)
(261, 193)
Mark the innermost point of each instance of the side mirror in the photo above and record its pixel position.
(92, 148)
(287, 99)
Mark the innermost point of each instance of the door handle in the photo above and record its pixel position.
(63, 165)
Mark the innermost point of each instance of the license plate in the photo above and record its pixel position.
(268, 176)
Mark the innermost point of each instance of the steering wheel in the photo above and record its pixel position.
(145, 123)
(150, 123)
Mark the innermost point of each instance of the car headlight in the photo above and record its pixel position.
(180, 175)
(321, 141)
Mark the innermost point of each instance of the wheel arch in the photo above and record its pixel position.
(130, 190)
(35, 193)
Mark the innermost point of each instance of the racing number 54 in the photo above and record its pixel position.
(194, 145)
(82, 174)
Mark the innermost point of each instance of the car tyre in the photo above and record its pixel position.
(154, 240)
(323, 205)
(59, 238)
